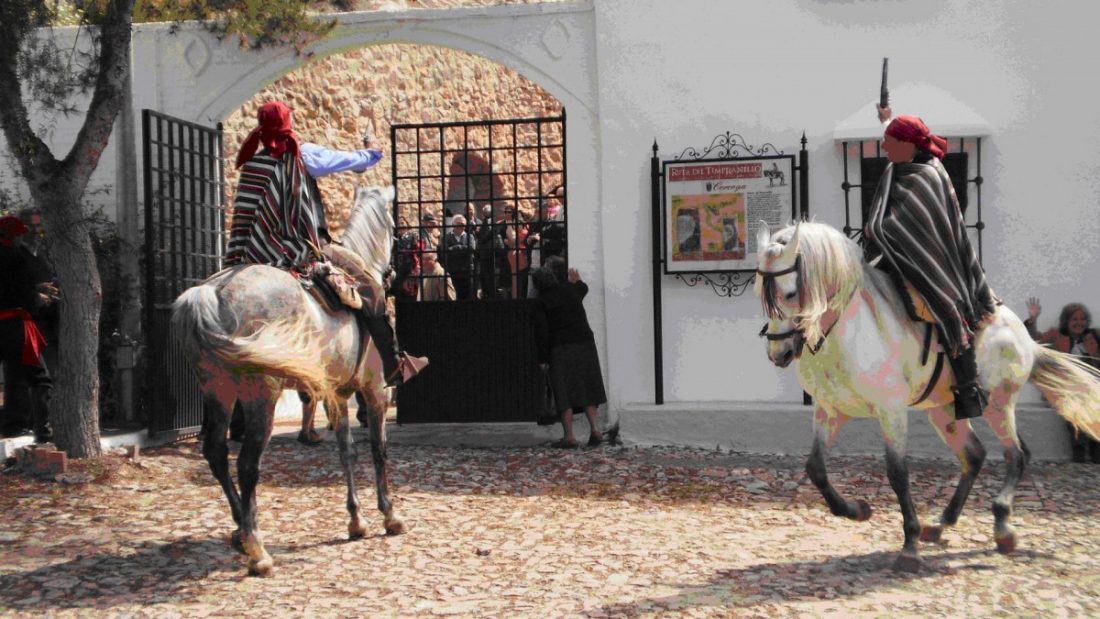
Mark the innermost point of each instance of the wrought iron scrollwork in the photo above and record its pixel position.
(728, 146)
(724, 283)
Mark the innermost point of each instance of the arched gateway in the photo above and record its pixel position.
(190, 76)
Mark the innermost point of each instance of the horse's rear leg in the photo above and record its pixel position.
(964, 443)
(337, 409)
(376, 420)
(826, 426)
(1001, 417)
(215, 421)
(259, 416)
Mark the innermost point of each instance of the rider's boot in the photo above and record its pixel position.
(970, 398)
(397, 365)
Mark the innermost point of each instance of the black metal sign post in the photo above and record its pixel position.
(726, 283)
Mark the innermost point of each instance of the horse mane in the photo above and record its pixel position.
(369, 229)
(832, 270)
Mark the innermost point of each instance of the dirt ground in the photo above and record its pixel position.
(539, 532)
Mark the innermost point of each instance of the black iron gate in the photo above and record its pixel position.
(471, 315)
(184, 244)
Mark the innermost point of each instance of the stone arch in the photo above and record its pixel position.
(338, 97)
(547, 49)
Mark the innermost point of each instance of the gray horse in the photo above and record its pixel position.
(251, 331)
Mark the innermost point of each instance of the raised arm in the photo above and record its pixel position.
(321, 161)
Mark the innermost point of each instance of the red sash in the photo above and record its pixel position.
(33, 342)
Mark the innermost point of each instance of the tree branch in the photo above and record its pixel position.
(114, 64)
(36, 162)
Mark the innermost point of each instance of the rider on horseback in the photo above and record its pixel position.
(918, 230)
(278, 219)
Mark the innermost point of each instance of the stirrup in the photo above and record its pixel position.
(407, 367)
(970, 400)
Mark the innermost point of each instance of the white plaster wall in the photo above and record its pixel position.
(682, 72)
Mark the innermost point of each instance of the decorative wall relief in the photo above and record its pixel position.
(555, 39)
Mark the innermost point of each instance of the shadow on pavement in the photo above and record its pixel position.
(169, 570)
(832, 578)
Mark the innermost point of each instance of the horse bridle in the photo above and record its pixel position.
(769, 276)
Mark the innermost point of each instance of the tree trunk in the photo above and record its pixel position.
(74, 409)
(57, 188)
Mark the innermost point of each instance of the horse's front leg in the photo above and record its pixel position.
(826, 426)
(349, 455)
(895, 427)
(964, 443)
(376, 420)
(307, 436)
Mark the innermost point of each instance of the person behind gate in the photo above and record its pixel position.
(278, 219)
(917, 231)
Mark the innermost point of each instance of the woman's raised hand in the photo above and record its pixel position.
(1033, 308)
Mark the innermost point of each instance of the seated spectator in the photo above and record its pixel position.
(435, 284)
(567, 344)
(458, 259)
(1075, 336)
(26, 289)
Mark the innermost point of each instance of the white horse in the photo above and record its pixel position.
(867, 360)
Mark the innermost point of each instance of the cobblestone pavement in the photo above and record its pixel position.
(539, 532)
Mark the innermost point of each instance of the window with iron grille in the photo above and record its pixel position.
(478, 205)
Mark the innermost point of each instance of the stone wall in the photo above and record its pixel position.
(338, 98)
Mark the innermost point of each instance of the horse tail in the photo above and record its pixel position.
(1071, 386)
(196, 323)
(203, 326)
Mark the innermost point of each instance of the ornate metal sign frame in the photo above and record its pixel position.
(728, 146)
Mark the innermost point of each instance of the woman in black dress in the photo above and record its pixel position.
(566, 342)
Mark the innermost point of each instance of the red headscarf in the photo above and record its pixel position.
(913, 130)
(274, 131)
(11, 227)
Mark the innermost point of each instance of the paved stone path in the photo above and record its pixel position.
(538, 532)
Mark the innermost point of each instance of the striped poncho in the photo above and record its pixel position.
(274, 221)
(916, 224)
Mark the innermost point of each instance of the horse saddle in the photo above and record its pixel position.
(332, 287)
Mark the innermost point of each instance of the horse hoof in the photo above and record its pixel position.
(931, 533)
(263, 568)
(356, 529)
(235, 541)
(1006, 545)
(395, 527)
(863, 511)
(907, 562)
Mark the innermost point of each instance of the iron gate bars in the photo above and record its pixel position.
(503, 177)
(184, 244)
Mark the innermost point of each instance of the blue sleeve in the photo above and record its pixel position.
(320, 161)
